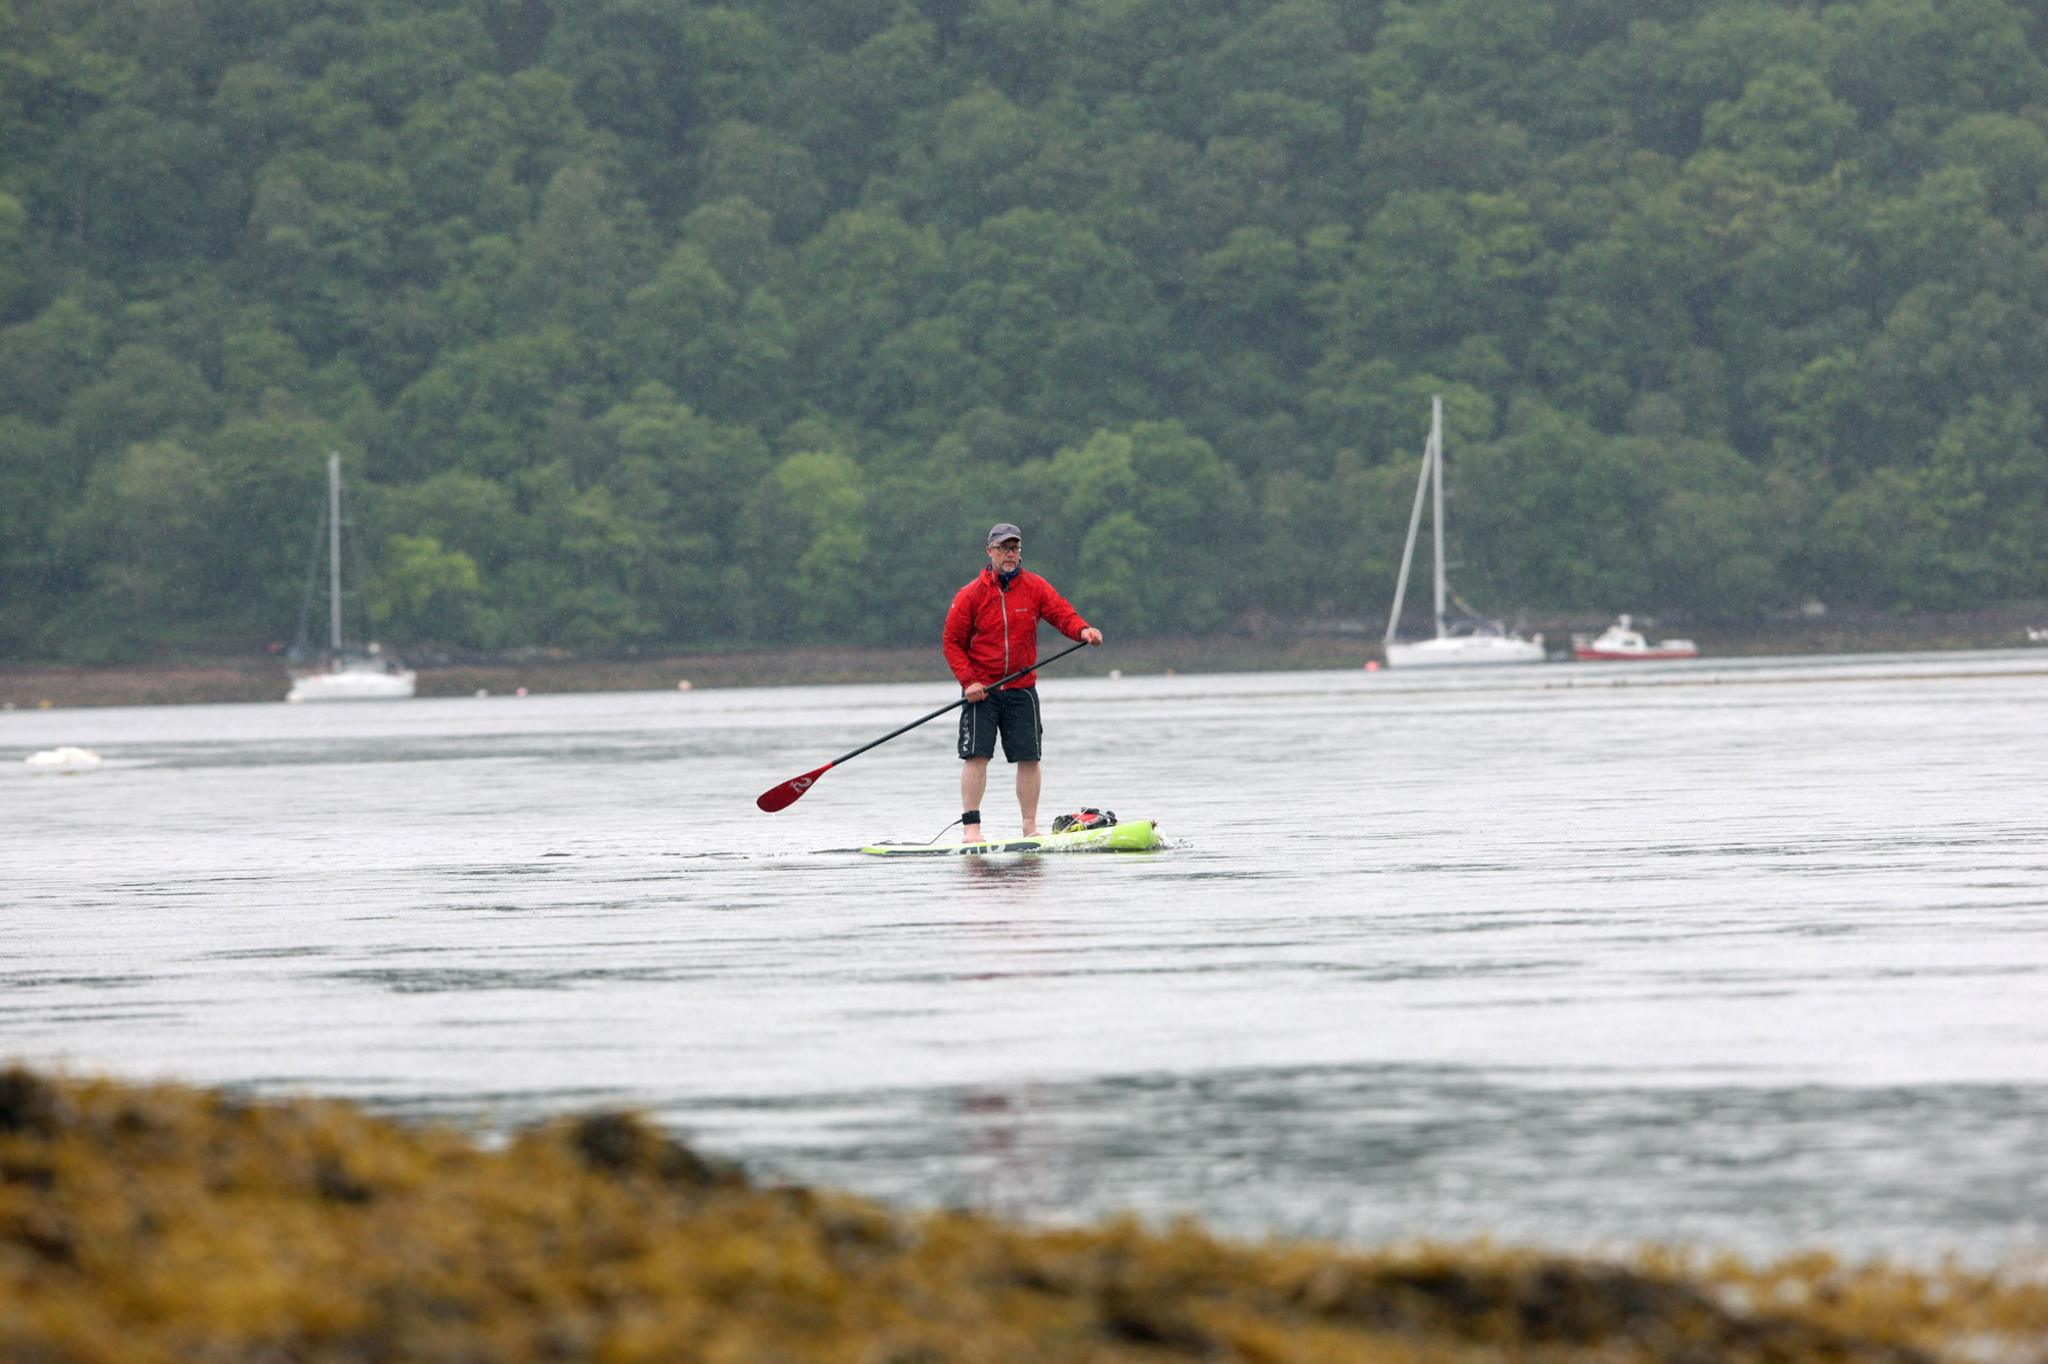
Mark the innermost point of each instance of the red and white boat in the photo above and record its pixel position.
(1622, 642)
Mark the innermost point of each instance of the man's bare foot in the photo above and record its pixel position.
(970, 833)
(1030, 831)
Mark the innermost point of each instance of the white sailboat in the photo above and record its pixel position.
(1459, 643)
(341, 673)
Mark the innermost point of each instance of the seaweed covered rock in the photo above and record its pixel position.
(159, 1224)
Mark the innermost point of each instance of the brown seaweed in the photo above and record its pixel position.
(161, 1224)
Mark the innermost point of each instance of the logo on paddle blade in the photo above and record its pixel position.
(801, 784)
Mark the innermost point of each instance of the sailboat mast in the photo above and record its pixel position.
(1408, 549)
(1436, 475)
(334, 553)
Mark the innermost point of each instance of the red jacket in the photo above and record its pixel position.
(991, 633)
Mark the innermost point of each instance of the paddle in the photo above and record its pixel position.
(785, 794)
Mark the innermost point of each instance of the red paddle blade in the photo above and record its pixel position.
(785, 793)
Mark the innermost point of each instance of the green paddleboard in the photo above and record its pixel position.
(1136, 836)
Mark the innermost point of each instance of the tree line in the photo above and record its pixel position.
(658, 322)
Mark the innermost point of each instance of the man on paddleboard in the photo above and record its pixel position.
(992, 631)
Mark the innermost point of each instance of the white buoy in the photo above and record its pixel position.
(63, 759)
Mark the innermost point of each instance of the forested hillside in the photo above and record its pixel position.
(644, 321)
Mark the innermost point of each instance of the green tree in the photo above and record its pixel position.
(408, 52)
(1249, 289)
(1713, 528)
(1671, 74)
(16, 284)
(736, 58)
(1786, 123)
(577, 259)
(1915, 237)
(846, 104)
(1330, 545)
(147, 524)
(1118, 578)
(1160, 491)
(1066, 320)
(1309, 135)
(461, 157)
(923, 376)
(756, 163)
(255, 362)
(706, 469)
(807, 550)
(480, 408)
(1016, 46)
(456, 517)
(973, 160)
(1141, 204)
(36, 484)
(1888, 55)
(860, 280)
(608, 551)
(45, 360)
(736, 236)
(1984, 479)
(1550, 514)
(268, 472)
(1493, 53)
(1878, 544)
(2010, 153)
(630, 63)
(143, 186)
(1430, 269)
(144, 392)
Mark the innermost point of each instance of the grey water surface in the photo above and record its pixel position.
(1747, 956)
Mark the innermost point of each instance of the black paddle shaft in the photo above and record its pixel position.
(956, 704)
(784, 794)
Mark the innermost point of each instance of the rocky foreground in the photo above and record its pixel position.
(142, 1224)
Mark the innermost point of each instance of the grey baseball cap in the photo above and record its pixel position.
(1002, 531)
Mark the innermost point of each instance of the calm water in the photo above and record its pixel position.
(1747, 956)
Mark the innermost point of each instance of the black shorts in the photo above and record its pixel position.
(1013, 712)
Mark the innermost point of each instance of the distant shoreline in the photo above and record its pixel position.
(1290, 647)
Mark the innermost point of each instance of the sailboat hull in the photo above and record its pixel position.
(1465, 651)
(351, 684)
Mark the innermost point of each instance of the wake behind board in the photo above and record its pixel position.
(1136, 836)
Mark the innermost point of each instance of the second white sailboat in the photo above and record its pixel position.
(341, 673)
(1465, 641)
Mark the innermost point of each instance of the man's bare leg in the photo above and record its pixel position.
(973, 781)
(1027, 796)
